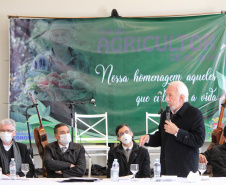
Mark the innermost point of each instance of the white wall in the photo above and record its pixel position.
(87, 8)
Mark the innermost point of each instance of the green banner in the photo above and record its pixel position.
(122, 63)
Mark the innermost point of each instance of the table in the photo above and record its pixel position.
(50, 181)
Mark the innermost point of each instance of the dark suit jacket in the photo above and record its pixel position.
(25, 158)
(55, 160)
(139, 155)
(180, 155)
(216, 157)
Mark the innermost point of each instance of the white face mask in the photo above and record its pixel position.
(126, 139)
(6, 137)
(65, 139)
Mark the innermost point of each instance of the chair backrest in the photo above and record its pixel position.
(95, 135)
(150, 117)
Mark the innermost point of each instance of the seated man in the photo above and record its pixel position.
(216, 157)
(63, 158)
(128, 152)
(11, 149)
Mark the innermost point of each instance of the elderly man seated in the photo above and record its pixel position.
(9, 148)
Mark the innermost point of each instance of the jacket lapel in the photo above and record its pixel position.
(120, 150)
(58, 150)
(133, 154)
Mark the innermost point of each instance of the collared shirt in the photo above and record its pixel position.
(127, 151)
(124, 147)
(177, 110)
(61, 146)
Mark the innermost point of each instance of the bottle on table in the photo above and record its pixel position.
(12, 169)
(157, 170)
(115, 171)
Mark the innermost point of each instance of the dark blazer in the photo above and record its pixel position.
(25, 158)
(180, 155)
(139, 155)
(55, 160)
(216, 157)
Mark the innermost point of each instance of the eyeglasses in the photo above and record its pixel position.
(7, 131)
(126, 132)
(64, 132)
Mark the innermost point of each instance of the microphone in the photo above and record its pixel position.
(161, 109)
(168, 113)
(93, 102)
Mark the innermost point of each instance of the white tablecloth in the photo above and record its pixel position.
(178, 181)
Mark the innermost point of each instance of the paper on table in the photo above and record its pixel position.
(204, 178)
(168, 178)
(80, 179)
(193, 177)
(5, 177)
(128, 177)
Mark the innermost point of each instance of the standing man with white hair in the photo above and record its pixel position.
(181, 137)
(11, 149)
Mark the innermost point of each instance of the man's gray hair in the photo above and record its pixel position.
(8, 121)
(181, 89)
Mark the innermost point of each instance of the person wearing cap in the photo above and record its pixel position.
(65, 73)
(128, 152)
(61, 57)
(216, 157)
(9, 148)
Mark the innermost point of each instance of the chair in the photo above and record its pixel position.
(93, 136)
(154, 118)
(149, 116)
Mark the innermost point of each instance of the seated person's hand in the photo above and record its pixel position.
(59, 172)
(72, 165)
(202, 159)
